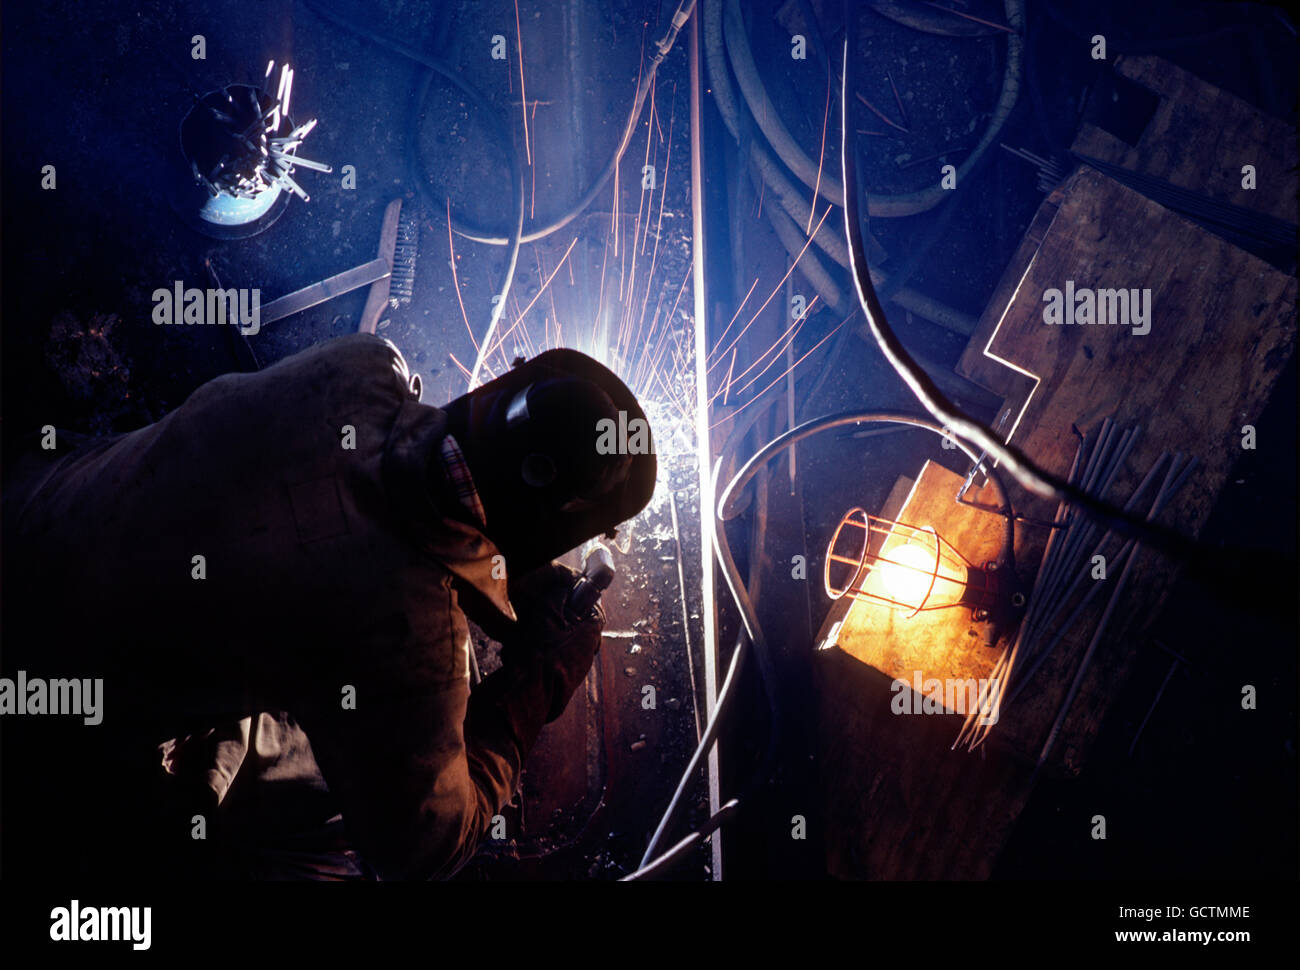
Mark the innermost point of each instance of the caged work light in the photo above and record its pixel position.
(907, 569)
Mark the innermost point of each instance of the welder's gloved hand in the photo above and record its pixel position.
(547, 640)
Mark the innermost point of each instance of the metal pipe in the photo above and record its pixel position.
(703, 441)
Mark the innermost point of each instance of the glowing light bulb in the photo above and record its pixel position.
(902, 566)
(912, 578)
(908, 576)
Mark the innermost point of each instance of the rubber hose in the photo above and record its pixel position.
(788, 196)
(930, 21)
(752, 633)
(830, 187)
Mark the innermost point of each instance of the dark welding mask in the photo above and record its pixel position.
(560, 452)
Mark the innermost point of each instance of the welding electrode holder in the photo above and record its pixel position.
(597, 575)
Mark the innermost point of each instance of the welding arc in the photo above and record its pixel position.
(817, 425)
(1020, 467)
(752, 629)
(516, 236)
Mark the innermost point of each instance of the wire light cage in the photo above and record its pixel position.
(902, 567)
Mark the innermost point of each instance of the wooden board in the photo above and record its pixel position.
(1222, 328)
(1199, 138)
(899, 803)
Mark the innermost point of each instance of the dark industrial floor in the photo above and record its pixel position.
(81, 263)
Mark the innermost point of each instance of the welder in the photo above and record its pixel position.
(298, 550)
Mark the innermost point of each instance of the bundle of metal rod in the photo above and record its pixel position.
(1181, 471)
(1110, 450)
(1050, 174)
(1211, 213)
(1061, 544)
(984, 708)
(1066, 562)
(1174, 479)
(1059, 588)
(259, 155)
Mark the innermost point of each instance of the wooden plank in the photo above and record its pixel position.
(1223, 326)
(1199, 138)
(899, 803)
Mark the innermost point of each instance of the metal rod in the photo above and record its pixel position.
(1088, 529)
(1046, 649)
(1116, 594)
(1083, 528)
(703, 442)
(1152, 709)
(686, 617)
(1053, 538)
(327, 289)
(1061, 554)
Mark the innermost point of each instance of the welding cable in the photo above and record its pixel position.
(945, 23)
(1006, 558)
(726, 459)
(791, 203)
(731, 574)
(764, 112)
(436, 66)
(787, 195)
(810, 266)
(752, 632)
(741, 127)
(448, 72)
(721, 706)
(665, 861)
(814, 176)
(662, 47)
(486, 342)
(1024, 471)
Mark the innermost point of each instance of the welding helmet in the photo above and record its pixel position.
(560, 452)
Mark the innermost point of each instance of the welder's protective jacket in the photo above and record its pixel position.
(333, 567)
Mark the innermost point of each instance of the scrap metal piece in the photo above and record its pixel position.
(327, 289)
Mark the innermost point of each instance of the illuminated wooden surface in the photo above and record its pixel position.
(943, 643)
